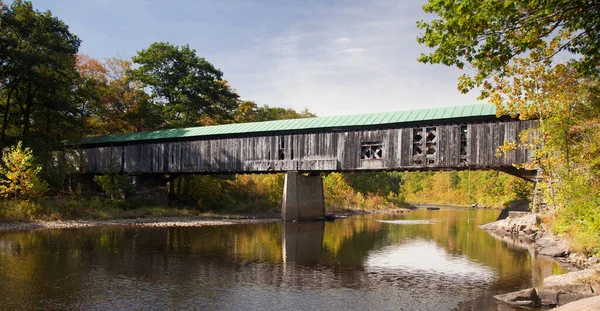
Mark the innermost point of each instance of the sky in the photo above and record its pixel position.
(332, 57)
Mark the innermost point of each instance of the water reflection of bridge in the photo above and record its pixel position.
(452, 138)
(302, 242)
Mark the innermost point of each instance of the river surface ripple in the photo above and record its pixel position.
(423, 260)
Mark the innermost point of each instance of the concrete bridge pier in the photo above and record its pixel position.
(302, 197)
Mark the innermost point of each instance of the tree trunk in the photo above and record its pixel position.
(5, 117)
(27, 112)
(180, 185)
(26, 116)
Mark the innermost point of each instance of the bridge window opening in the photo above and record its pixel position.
(371, 150)
(281, 152)
(424, 145)
(431, 144)
(463, 143)
(418, 146)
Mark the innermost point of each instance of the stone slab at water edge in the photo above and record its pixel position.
(528, 228)
(547, 296)
(558, 290)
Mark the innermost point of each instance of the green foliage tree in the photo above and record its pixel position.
(513, 47)
(266, 113)
(486, 188)
(375, 182)
(19, 175)
(37, 53)
(186, 86)
(567, 105)
(249, 111)
(488, 34)
(115, 185)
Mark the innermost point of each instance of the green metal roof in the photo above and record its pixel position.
(368, 119)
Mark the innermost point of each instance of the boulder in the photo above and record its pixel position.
(587, 304)
(516, 225)
(554, 251)
(500, 232)
(562, 294)
(568, 278)
(517, 214)
(563, 299)
(547, 240)
(547, 296)
(549, 245)
(526, 221)
(522, 298)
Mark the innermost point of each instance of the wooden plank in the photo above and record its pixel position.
(442, 149)
(500, 128)
(406, 156)
(455, 146)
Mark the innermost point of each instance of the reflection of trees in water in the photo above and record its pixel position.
(77, 267)
(456, 231)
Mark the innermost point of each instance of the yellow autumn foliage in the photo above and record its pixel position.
(19, 175)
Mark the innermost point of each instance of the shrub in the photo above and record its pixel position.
(20, 210)
(19, 175)
(115, 185)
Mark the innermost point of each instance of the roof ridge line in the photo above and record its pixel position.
(398, 117)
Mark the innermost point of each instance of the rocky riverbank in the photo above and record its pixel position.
(527, 229)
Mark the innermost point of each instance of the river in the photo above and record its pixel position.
(423, 260)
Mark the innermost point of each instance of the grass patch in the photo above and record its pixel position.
(94, 208)
(581, 238)
(593, 279)
(101, 208)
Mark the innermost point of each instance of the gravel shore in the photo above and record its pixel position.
(138, 222)
(177, 221)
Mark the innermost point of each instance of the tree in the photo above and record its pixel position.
(248, 111)
(115, 185)
(567, 105)
(266, 113)
(488, 34)
(20, 175)
(513, 46)
(109, 101)
(37, 54)
(188, 87)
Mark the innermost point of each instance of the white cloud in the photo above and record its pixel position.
(342, 40)
(349, 57)
(353, 50)
(354, 60)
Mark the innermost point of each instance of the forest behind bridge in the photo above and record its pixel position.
(49, 93)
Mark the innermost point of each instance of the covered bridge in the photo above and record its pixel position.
(448, 138)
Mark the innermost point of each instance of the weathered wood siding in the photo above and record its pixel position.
(391, 149)
(103, 159)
